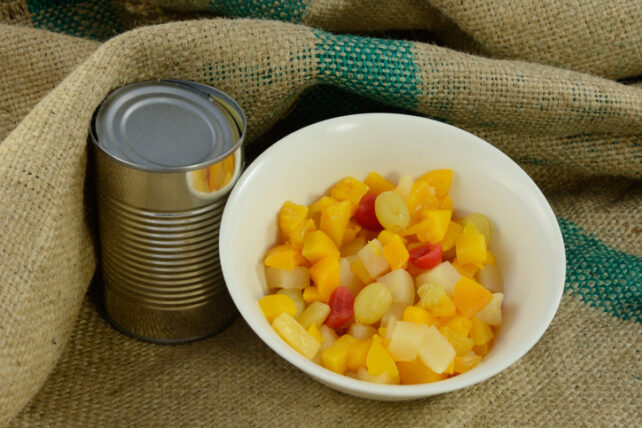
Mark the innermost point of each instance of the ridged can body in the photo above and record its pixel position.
(159, 225)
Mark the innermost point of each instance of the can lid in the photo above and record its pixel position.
(168, 126)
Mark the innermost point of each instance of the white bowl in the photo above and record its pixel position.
(305, 164)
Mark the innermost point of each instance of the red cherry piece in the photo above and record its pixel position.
(426, 256)
(365, 213)
(341, 307)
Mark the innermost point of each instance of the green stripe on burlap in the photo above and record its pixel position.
(382, 70)
(89, 19)
(600, 275)
(283, 10)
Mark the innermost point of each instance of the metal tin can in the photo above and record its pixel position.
(167, 154)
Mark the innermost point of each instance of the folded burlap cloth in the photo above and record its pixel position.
(553, 84)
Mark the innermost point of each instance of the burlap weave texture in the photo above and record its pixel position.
(542, 92)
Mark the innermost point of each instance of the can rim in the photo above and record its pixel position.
(210, 93)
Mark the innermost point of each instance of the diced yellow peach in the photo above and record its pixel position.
(349, 189)
(438, 221)
(440, 179)
(334, 220)
(317, 245)
(352, 231)
(468, 270)
(466, 362)
(385, 236)
(480, 332)
(451, 235)
(422, 197)
(358, 354)
(311, 294)
(335, 357)
(415, 372)
(470, 297)
(290, 216)
(326, 276)
(379, 361)
(395, 253)
(299, 231)
(490, 258)
(377, 183)
(316, 333)
(283, 257)
(295, 335)
(417, 314)
(323, 202)
(360, 271)
(470, 246)
(445, 203)
(274, 305)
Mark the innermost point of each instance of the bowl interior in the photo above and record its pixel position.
(304, 165)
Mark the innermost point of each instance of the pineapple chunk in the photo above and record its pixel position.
(334, 220)
(405, 340)
(492, 313)
(297, 298)
(443, 274)
(329, 337)
(295, 335)
(373, 259)
(297, 278)
(275, 304)
(372, 302)
(401, 286)
(315, 313)
(435, 351)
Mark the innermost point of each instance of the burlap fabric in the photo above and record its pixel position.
(555, 85)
